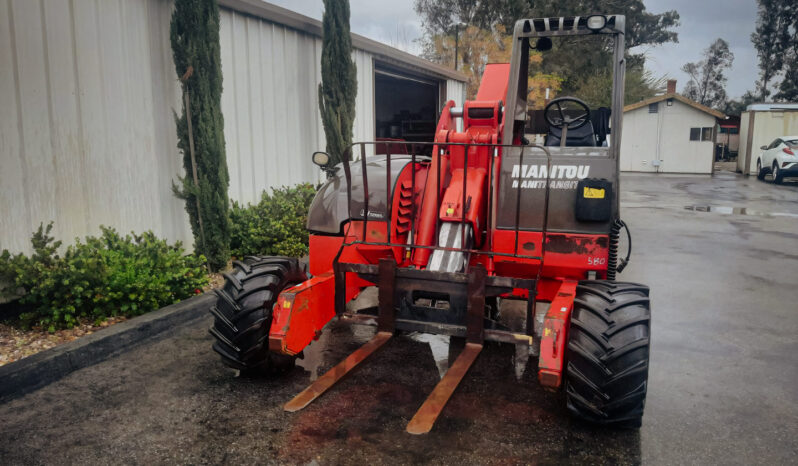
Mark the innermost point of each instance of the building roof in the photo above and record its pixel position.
(291, 19)
(771, 106)
(680, 98)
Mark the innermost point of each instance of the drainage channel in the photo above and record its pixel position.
(727, 210)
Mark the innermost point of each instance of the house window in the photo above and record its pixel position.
(706, 134)
(695, 134)
(653, 108)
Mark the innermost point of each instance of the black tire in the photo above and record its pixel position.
(760, 172)
(777, 175)
(607, 355)
(243, 313)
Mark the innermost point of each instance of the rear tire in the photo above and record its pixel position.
(243, 313)
(760, 172)
(777, 176)
(607, 355)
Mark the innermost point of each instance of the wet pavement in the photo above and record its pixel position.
(723, 385)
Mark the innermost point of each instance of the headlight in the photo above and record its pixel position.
(321, 158)
(596, 22)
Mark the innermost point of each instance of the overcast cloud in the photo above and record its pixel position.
(702, 21)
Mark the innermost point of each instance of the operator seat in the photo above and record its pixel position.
(583, 136)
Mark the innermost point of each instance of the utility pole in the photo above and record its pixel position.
(456, 40)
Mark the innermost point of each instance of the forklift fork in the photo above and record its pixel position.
(425, 417)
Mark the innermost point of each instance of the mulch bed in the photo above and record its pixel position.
(16, 343)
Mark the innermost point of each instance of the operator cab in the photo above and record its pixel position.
(582, 120)
(582, 126)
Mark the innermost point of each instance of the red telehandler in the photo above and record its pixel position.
(448, 229)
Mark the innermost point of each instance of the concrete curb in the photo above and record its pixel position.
(31, 373)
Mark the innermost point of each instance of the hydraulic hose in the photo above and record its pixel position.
(613, 266)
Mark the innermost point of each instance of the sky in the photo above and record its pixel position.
(702, 21)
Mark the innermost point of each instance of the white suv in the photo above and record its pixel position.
(780, 159)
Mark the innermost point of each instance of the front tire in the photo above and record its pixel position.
(607, 355)
(760, 172)
(243, 313)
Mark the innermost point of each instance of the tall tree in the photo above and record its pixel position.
(439, 18)
(483, 46)
(707, 84)
(788, 44)
(643, 27)
(738, 106)
(766, 38)
(596, 88)
(195, 48)
(338, 86)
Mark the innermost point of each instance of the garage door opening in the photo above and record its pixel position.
(406, 107)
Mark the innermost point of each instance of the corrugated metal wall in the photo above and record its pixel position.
(87, 92)
(270, 104)
(455, 90)
(87, 136)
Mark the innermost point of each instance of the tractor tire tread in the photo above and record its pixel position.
(607, 353)
(243, 310)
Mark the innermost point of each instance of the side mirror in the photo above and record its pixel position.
(764, 147)
(543, 44)
(321, 158)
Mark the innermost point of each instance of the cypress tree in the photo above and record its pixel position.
(195, 48)
(338, 86)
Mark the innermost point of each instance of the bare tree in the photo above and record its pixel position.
(707, 84)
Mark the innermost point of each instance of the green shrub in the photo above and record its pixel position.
(273, 226)
(99, 277)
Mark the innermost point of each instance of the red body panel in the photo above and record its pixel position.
(433, 189)
(555, 334)
(568, 255)
(301, 312)
(494, 82)
(323, 250)
(452, 205)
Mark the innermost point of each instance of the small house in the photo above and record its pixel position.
(669, 133)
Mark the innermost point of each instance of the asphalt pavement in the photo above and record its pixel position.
(720, 255)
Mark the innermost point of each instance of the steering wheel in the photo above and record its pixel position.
(555, 113)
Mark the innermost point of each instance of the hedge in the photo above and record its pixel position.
(99, 277)
(274, 226)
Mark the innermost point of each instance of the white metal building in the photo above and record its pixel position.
(760, 124)
(87, 94)
(668, 134)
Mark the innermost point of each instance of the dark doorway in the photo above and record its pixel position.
(406, 106)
